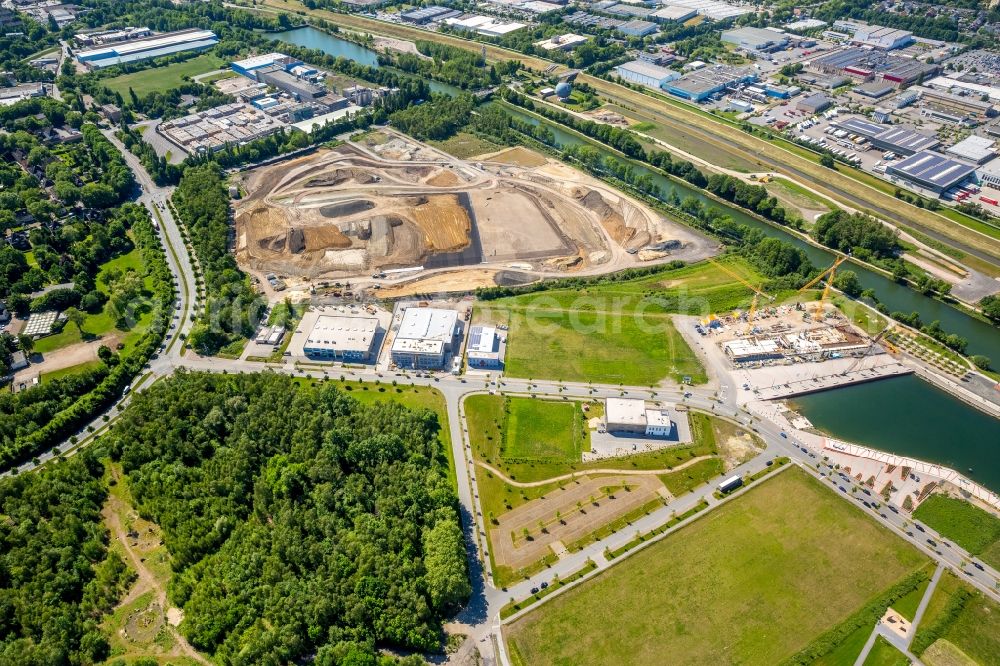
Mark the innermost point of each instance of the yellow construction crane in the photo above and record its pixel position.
(757, 293)
(829, 275)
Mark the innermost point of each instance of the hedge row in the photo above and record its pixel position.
(867, 616)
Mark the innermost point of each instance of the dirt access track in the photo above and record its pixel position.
(389, 202)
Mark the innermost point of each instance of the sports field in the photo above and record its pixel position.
(751, 582)
(161, 79)
(617, 332)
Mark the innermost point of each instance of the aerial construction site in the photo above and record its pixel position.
(388, 203)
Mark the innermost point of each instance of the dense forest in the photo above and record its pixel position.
(233, 309)
(438, 118)
(58, 577)
(858, 233)
(300, 523)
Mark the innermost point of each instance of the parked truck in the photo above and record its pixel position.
(730, 484)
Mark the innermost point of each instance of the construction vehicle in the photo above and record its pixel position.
(757, 293)
(828, 274)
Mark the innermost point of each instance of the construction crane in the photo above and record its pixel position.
(828, 274)
(757, 293)
(868, 350)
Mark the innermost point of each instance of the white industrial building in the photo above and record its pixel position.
(483, 349)
(566, 42)
(624, 415)
(135, 50)
(646, 73)
(974, 148)
(337, 338)
(747, 351)
(425, 337)
(755, 39)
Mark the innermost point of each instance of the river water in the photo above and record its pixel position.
(884, 415)
(313, 38)
(879, 414)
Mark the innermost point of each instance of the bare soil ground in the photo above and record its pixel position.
(148, 629)
(443, 282)
(388, 201)
(511, 548)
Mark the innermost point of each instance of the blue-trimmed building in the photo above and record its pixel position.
(249, 66)
(703, 83)
(136, 50)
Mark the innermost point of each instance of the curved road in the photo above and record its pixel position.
(480, 619)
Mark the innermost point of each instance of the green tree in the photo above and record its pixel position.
(444, 557)
(76, 318)
(827, 161)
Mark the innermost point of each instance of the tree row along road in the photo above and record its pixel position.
(712, 131)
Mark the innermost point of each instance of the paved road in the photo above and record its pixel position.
(481, 615)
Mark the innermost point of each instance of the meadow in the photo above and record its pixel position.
(617, 332)
(751, 582)
(161, 79)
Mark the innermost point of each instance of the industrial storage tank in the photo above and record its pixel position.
(563, 90)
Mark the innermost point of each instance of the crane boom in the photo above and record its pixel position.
(871, 345)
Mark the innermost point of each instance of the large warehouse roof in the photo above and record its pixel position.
(427, 324)
(897, 139)
(342, 333)
(180, 38)
(932, 170)
(975, 148)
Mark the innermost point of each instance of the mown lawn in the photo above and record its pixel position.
(884, 654)
(544, 430)
(161, 79)
(751, 582)
(972, 528)
(619, 332)
(102, 324)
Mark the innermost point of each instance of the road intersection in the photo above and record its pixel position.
(480, 620)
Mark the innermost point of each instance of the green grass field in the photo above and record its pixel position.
(955, 633)
(751, 582)
(487, 427)
(102, 324)
(544, 430)
(884, 654)
(464, 145)
(618, 332)
(972, 528)
(161, 79)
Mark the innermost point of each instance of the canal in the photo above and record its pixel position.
(879, 414)
(883, 415)
(314, 38)
(983, 338)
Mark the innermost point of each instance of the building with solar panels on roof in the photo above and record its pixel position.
(931, 171)
(485, 348)
(896, 139)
